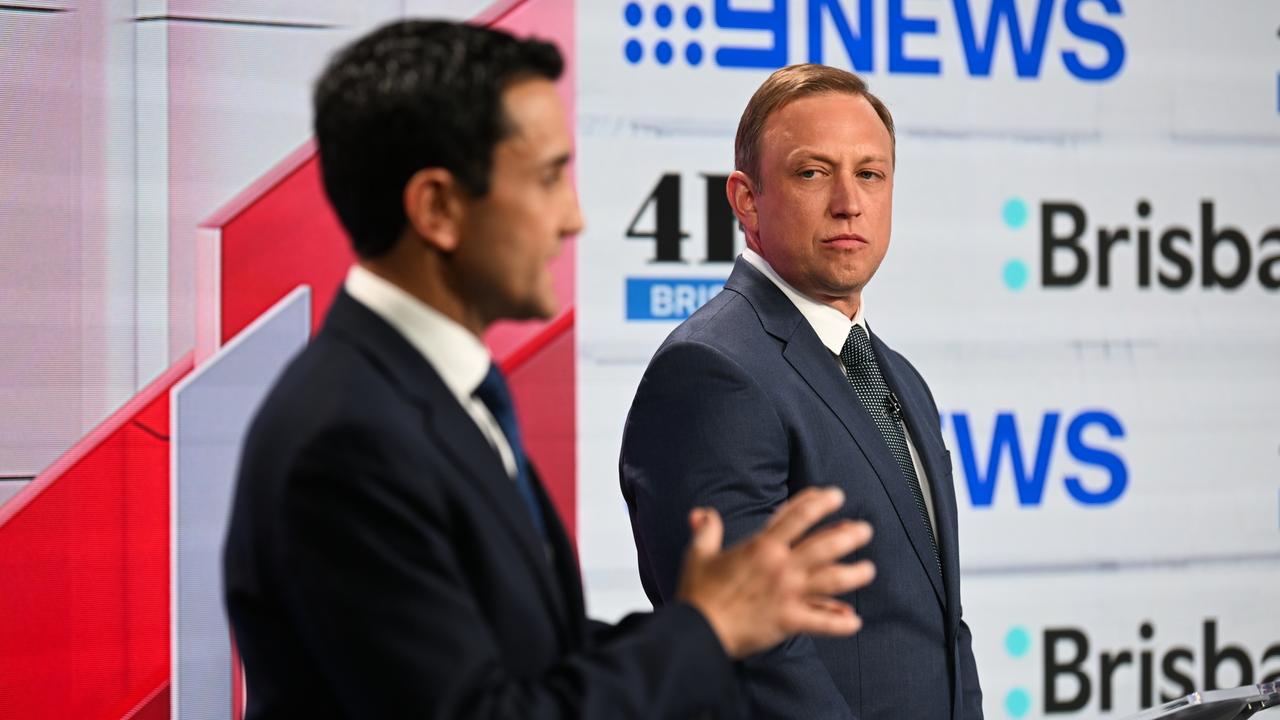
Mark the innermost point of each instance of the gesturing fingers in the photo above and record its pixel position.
(832, 543)
(822, 616)
(839, 578)
(707, 531)
(802, 512)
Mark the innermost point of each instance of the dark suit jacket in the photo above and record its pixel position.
(381, 563)
(743, 406)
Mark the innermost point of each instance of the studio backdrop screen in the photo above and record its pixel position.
(1084, 266)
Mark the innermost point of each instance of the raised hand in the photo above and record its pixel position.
(780, 582)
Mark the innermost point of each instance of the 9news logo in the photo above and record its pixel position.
(760, 36)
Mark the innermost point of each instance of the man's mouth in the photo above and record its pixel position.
(845, 241)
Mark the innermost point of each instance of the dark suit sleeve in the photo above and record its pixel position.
(971, 698)
(701, 432)
(377, 589)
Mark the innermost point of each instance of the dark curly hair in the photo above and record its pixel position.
(411, 95)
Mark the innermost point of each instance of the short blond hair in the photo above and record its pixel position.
(785, 86)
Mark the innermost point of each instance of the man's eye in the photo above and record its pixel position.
(808, 174)
(868, 175)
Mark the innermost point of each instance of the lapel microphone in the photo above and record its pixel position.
(895, 407)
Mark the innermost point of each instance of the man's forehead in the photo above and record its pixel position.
(813, 118)
(536, 117)
(532, 104)
(794, 130)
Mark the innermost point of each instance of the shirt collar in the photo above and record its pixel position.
(831, 325)
(456, 354)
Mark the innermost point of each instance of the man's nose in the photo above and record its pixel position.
(845, 201)
(574, 222)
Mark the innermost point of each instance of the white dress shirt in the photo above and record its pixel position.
(453, 351)
(832, 327)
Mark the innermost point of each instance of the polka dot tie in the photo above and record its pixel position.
(864, 376)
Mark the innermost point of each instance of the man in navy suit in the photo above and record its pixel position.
(777, 385)
(391, 552)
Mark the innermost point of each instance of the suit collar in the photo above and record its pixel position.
(814, 363)
(778, 316)
(457, 435)
(458, 356)
(385, 347)
(831, 325)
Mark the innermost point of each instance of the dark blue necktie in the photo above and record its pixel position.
(493, 392)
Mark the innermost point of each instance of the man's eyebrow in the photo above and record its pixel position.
(809, 154)
(560, 160)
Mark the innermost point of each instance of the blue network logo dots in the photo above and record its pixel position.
(693, 17)
(693, 54)
(1017, 702)
(664, 17)
(662, 51)
(634, 51)
(1016, 273)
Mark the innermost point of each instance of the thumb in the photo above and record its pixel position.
(708, 532)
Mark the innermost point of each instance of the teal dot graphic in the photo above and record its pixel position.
(1017, 702)
(1017, 642)
(1015, 213)
(1015, 274)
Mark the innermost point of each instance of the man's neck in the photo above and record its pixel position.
(424, 279)
(845, 305)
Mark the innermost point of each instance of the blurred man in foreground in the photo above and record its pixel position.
(391, 550)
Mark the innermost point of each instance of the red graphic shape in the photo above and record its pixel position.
(84, 550)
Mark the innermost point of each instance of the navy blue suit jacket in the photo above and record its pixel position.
(743, 406)
(381, 563)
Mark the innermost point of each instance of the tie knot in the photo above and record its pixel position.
(857, 348)
(493, 392)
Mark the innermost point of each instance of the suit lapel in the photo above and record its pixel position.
(815, 364)
(452, 430)
(565, 557)
(933, 456)
(473, 455)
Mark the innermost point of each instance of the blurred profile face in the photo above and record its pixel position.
(511, 234)
(821, 214)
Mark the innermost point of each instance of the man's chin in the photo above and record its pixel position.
(541, 309)
(549, 309)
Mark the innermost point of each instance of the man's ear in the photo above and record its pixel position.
(434, 208)
(742, 198)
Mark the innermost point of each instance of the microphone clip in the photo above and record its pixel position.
(894, 406)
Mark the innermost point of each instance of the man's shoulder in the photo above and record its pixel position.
(329, 389)
(725, 322)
